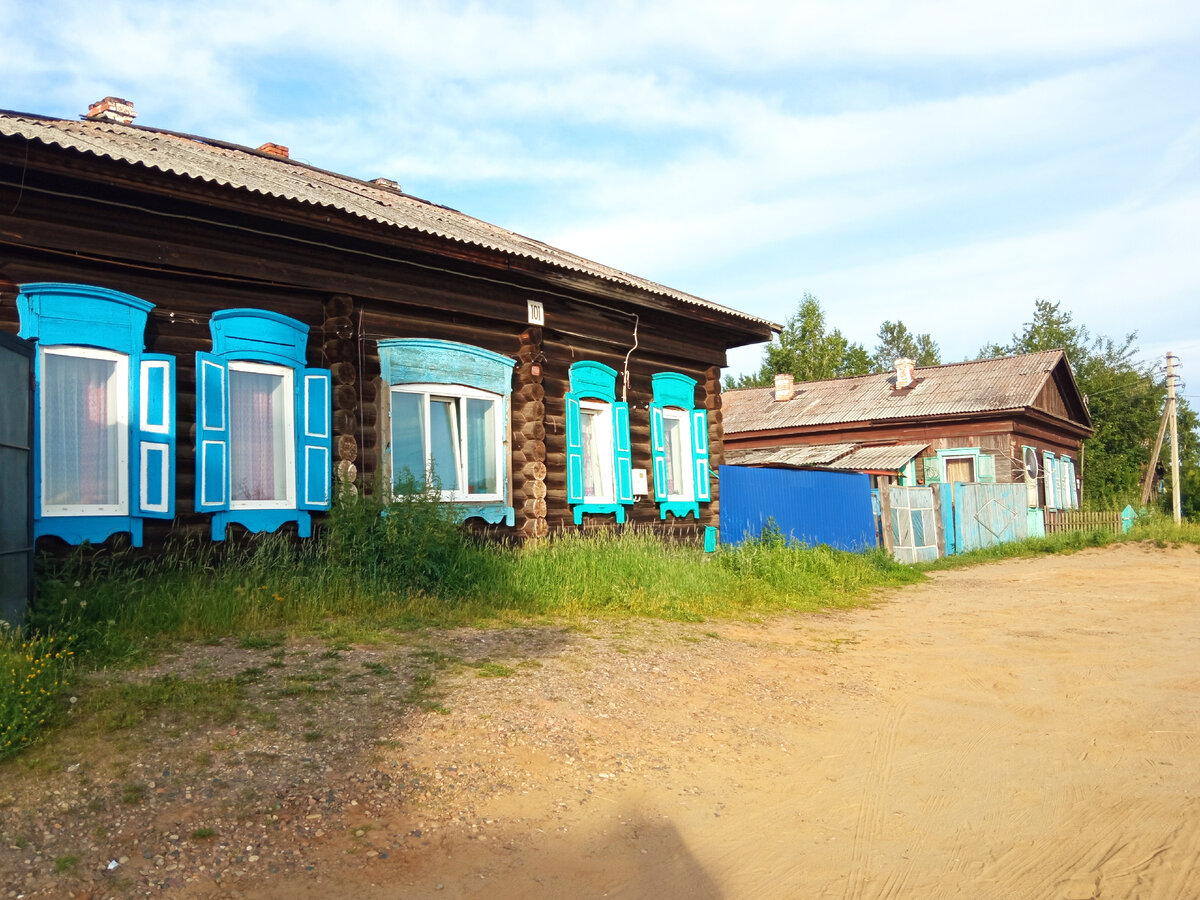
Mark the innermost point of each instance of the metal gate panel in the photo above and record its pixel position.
(16, 477)
(811, 507)
(914, 526)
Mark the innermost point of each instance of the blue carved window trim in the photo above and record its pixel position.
(436, 370)
(594, 394)
(248, 342)
(675, 400)
(83, 322)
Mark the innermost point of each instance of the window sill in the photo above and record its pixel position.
(89, 529)
(259, 520)
(679, 509)
(599, 509)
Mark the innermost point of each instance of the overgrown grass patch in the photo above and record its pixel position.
(33, 676)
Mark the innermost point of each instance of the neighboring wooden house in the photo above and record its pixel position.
(1012, 419)
(225, 334)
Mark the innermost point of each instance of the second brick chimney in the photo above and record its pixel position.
(785, 386)
(111, 109)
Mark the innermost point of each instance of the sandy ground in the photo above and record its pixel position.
(1025, 729)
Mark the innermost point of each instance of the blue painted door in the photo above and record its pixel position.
(16, 477)
(831, 508)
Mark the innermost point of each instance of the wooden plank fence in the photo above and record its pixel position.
(1081, 520)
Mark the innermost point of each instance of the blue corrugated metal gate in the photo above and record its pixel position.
(982, 515)
(831, 508)
(16, 477)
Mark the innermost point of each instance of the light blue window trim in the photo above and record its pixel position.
(673, 390)
(594, 381)
(425, 362)
(1050, 479)
(984, 464)
(262, 338)
(75, 321)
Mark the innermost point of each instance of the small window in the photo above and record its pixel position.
(959, 468)
(263, 425)
(599, 457)
(679, 446)
(261, 437)
(84, 432)
(104, 412)
(448, 412)
(448, 436)
(597, 434)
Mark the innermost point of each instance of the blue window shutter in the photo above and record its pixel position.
(153, 436)
(314, 438)
(574, 429)
(987, 469)
(933, 469)
(700, 455)
(622, 453)
(658, 450)
(212, 433)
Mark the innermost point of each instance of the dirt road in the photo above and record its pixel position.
(1026, 729)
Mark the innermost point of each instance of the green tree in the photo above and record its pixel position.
(895, 341)
(1124, 397)
(808, 350)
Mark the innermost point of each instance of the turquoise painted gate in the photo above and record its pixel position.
(983, 515)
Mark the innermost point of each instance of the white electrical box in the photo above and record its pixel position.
(640, 485)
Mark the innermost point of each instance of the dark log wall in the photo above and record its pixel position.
(191, 250)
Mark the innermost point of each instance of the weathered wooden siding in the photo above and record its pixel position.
(197, 251)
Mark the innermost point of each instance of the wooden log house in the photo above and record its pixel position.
(226, 335)
(1018, 419)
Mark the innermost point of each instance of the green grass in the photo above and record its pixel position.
(367, 575)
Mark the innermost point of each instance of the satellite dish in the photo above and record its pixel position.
(1031, 464)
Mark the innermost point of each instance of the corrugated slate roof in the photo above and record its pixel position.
(234, 166)
(790, 457)
(988, 385)
(879, 459)
(849, 457)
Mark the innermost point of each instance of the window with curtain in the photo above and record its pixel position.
(677, 442)
(596, 432)
(450, 436)
(84, 431)
(261, 436)
(959, 468)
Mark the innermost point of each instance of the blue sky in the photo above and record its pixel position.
(940, 163)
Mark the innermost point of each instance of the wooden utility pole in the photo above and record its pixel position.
(1174, 437)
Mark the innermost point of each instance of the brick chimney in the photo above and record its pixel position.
(111, 109)
(785, 387)
(904, 372)
(274, 150)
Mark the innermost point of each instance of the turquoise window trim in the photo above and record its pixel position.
(984, 463)
(262, 336)
(429, 361)
(61, 315)
(674, 390)
(425, 362)
(599, 509)
(591, 380)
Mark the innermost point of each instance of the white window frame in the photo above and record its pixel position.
(686, 453)
(119, 391)
(602, 415)
(972, 458)
(429, 392)
(288, 390)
